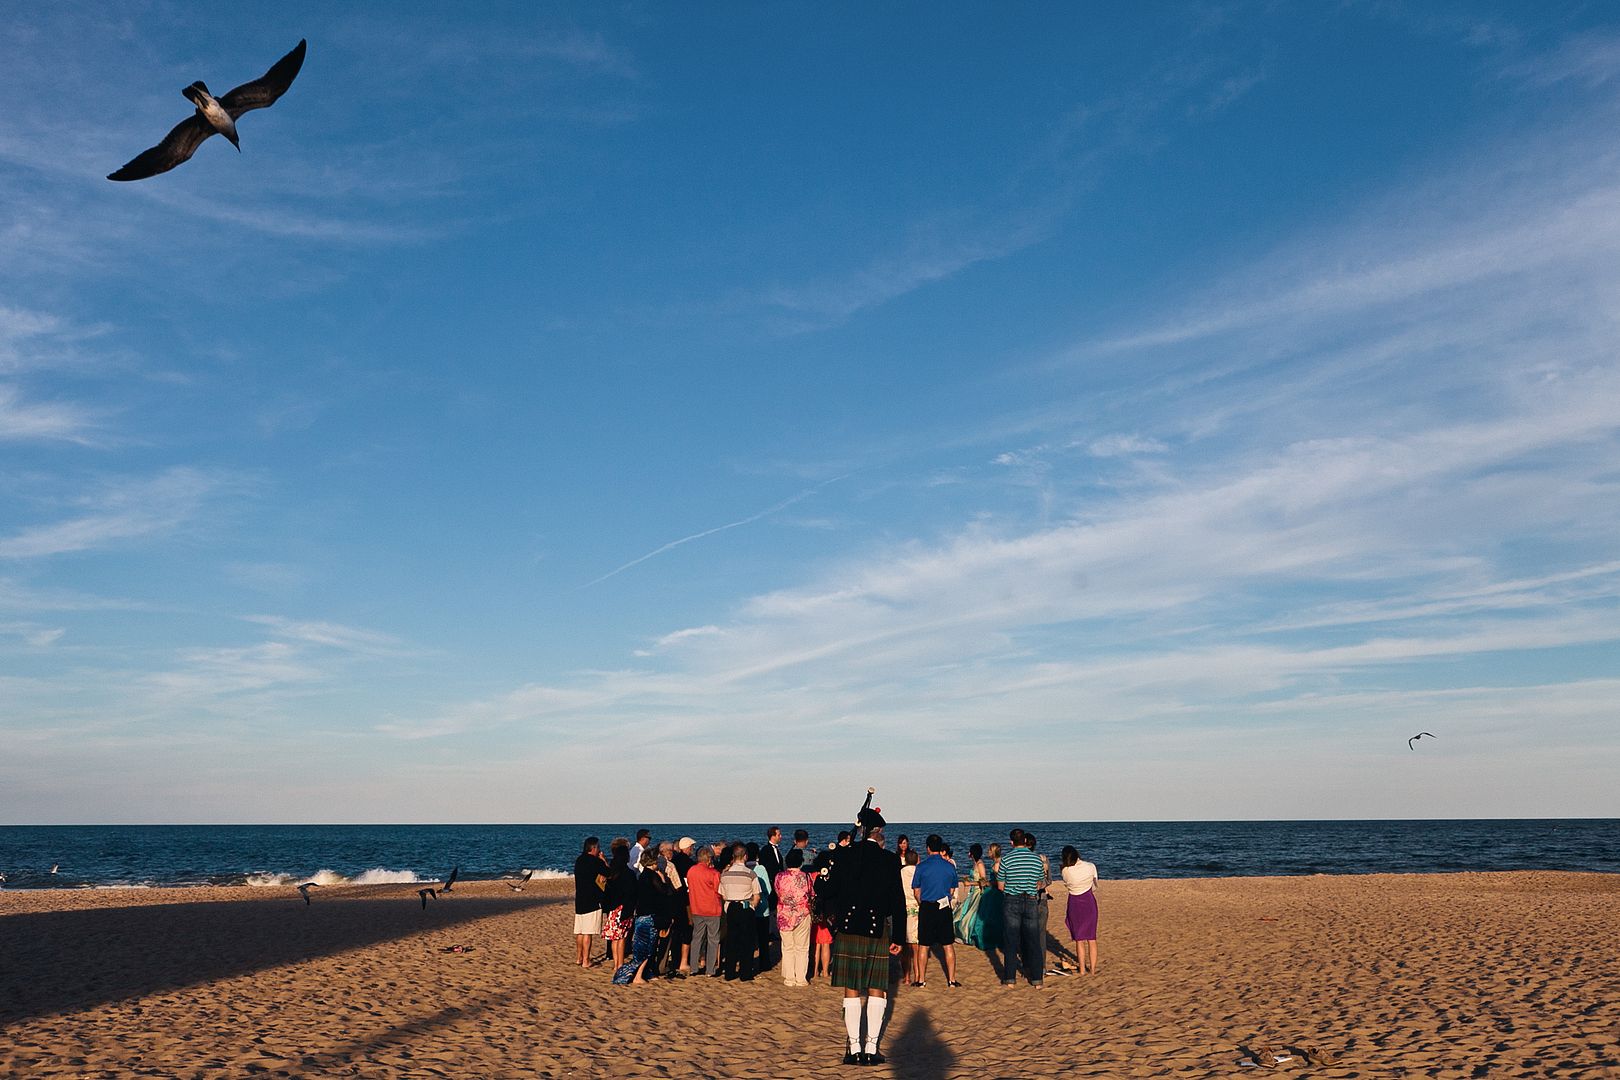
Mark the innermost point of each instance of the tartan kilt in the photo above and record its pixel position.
(860, 962)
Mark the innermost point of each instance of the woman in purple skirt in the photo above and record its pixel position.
(1080, 878)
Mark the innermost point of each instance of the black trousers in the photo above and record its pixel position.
(763, 927)
(660, 945)
(680, 933)
(737, 948)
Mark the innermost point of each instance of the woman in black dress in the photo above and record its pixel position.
(619, 901)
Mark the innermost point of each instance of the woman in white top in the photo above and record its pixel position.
(1080, 878)
(913, 951)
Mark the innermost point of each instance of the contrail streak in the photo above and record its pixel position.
(750, 519)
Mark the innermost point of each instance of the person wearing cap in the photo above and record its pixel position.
(680, 931)
(870, 917)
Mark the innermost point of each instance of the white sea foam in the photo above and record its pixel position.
(375, 876)
(382, 876)
(121, 885)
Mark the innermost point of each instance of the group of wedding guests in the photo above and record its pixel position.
(844, 913)
(729, 909)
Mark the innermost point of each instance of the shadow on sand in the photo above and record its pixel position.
(917, 1052)
(66, 961)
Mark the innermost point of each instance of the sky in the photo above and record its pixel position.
(701, 412)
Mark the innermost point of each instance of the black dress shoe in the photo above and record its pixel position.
(852, 1058)
(873, 1059)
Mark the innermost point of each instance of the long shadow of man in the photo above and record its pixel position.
(918, 1053)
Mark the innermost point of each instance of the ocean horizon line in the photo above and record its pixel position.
(647, 822)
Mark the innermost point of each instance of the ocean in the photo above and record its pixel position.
(90, 856)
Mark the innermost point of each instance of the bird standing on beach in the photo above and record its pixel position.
(1415, 738)
(303, 890)
(213, 116)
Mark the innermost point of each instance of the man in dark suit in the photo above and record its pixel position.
(869, 906)
(770, 856)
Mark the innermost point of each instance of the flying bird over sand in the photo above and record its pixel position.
(424, 894)
(1415, 738)
(450, 882)
(213, 116)
(303, 890)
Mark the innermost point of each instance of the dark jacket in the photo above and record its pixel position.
(621, 891)
(655, 897)
(771, 859)
(866, 895)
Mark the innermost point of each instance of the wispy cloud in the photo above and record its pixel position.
(34, 634)
(22, 421)
(32, 341)
(1124, 446)
(1590, 59)
(329, 635)
(1035, 195)
(933, 253)
(118, 511)
(1381, 523)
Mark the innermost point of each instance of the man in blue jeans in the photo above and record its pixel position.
(1023, 883)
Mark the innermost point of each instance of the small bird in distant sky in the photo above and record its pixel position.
(303, 890)
(213, 116)
(424, 894)
(1415, 738)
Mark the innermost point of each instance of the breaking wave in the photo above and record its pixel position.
(376, 876)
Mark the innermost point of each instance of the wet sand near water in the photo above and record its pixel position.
(1446, 975)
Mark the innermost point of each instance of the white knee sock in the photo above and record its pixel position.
(852, 1023)
(875, 1007)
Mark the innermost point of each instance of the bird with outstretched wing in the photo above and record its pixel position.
(213, 117)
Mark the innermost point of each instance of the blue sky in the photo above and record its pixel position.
(1045, 411)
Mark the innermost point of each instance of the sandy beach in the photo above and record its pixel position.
(1466, 975)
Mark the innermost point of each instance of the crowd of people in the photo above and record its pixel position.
(845, 913)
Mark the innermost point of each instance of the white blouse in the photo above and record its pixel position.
(1079, 878)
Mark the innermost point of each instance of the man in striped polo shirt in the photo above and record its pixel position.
(1023, 882)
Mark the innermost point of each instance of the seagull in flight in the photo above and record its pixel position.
(303, 890)
(1415, 738)
(450, 882)
(424, 894)
(213, 116)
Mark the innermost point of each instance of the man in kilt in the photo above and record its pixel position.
(869, 915)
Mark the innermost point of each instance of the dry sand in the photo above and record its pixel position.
(1466, 975)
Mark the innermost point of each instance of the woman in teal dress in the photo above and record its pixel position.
(978, 920)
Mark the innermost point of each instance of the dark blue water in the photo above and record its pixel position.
(91, 855)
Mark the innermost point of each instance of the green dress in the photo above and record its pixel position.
(978, 920)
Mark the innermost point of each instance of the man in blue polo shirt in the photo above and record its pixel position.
(933, 884)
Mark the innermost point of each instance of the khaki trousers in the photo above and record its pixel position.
(796, 953)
